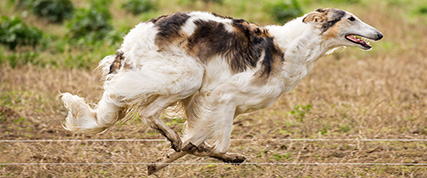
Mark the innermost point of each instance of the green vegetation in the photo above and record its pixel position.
(300, 111)
(423, 9)
(91, 24)
(343, 1)
(14, 31)
(214, 1)
(99, 25)
(139, 6)
(54, 10)
(284, 11)
(279, 157)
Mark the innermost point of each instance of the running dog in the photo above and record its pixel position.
(216, 68)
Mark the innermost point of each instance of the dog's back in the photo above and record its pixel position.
(203, 36)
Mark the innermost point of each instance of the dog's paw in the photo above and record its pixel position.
(232, 158)
(176, 145)
(237, 158)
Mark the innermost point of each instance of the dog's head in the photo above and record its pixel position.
(342, 28)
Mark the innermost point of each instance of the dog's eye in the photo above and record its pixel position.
(351, 18)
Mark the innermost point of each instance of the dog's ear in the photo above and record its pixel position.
(325, 11)
(318, 15)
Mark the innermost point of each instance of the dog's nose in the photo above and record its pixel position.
(379, 36)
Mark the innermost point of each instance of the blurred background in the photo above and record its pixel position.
(53, 46)
(77, 33)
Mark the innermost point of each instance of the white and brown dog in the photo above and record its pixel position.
(216, 68)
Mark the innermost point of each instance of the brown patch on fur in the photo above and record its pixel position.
(333, 31)
(224, 17)
(326, 18)
(249, 28)
(117, 63)
(334, 16)
(169, 28)
(319, 15)
(261, 77)
(154, 20)
(273, 56)
(241, 48)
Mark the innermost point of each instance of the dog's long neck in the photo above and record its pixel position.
(302, 46)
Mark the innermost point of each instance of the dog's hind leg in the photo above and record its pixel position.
(151, 114)
(154, 84)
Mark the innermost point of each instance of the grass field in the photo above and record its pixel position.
(351, 94)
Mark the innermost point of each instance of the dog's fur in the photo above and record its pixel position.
(215, 67)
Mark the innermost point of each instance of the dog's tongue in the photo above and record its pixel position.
(357, 40)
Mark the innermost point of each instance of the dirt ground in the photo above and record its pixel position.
(383, 98)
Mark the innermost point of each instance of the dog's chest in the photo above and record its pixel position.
(259, 97)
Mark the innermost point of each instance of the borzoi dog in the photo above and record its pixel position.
(216, 68)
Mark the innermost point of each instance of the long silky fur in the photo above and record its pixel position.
(210, 69)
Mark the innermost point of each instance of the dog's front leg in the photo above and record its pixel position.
(203, 150)
(219, 117)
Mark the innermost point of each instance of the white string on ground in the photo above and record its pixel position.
(284, 164)
(276, 140)
(162, 140)
(90, 140)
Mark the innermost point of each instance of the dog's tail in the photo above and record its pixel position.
(83, 119)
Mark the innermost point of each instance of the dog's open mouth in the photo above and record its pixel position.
(359, 40)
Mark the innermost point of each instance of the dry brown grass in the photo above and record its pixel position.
(353, 94)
